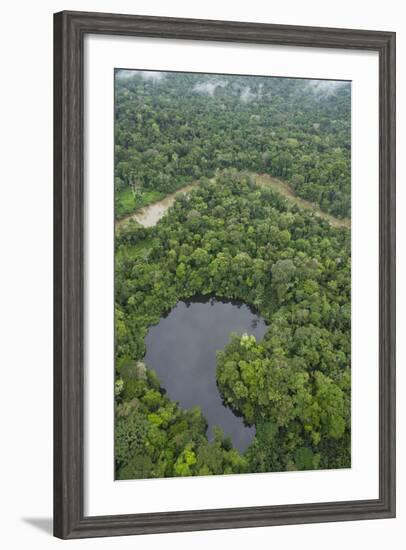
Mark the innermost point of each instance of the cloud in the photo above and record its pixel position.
(326, 87)
(246, 95)
(208, 87)
(155, 76)
(152, 75)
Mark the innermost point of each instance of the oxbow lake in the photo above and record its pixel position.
(182, 348)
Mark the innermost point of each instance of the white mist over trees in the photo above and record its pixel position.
(172, 128)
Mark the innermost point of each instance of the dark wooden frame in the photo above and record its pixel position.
(69, 31)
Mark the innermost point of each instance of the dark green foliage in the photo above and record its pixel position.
(182, 127)
(234, 240)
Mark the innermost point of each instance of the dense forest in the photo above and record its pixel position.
(172, 128)
(234, 240)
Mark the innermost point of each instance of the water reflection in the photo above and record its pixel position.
(182, 350)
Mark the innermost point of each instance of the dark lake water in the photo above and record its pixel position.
(182, 347)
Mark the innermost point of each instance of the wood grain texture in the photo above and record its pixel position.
(69, 30)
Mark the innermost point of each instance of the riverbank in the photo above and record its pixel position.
(284, 189)
(148, 216)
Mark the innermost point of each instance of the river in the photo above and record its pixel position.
(149, 216)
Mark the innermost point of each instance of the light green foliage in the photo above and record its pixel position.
(126, 201)
(294, 386)
(168, 134)
(185, 461)
(231, 239)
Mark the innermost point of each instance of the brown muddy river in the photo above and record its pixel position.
(150, 215)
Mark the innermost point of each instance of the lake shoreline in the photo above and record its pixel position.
(182, 349)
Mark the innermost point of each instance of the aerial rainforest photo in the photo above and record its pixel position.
(232, 274)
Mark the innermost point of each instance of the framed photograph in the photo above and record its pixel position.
(224, 274)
